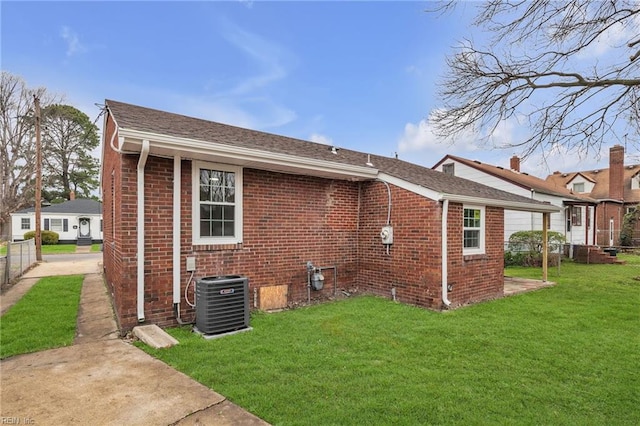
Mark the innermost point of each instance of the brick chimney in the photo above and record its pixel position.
(616, 172)
(515, 163)
(72, 195)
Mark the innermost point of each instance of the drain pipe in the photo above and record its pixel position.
(445, 260)
(144, 152)
(176, 238)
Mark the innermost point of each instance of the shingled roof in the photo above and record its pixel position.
(601, 179)
(157, 122)
(523, 180)
(77, 206)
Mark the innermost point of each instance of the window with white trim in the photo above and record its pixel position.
(578, 187)
(55, 225)
(473, 230)
(217, 204)
(25, 223)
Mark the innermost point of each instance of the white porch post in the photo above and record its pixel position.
(545, 246)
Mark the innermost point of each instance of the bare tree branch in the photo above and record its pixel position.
(544, 66)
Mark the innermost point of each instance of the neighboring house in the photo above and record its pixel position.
(187, 198)
(617, 190)
(575, 220)
(77, 221)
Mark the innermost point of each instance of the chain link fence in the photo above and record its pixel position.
(20, 256)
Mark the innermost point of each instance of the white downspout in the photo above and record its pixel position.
(445, 260)
(176, 230)
(144, 152)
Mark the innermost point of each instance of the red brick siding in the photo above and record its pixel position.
(605, 211)
(289, 220)
(413, 264)
(478, 277)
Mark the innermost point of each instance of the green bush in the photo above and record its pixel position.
(49, 238)
(525, 248)
(628, 224)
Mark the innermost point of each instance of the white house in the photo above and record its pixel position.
(76, 221)
(576, 221)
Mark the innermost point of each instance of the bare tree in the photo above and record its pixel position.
(545, 66)
(17, 149)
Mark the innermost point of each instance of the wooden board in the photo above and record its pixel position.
(273, 297)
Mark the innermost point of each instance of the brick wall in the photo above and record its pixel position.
(605, 211)
(289, 220)
(413, 265)
(477, 277)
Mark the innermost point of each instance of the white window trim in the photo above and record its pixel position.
(195, 197)
(483, 219)
(61, 227)
(22, 219)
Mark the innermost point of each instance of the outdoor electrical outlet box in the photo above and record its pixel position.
(191, 264)
(387, 234)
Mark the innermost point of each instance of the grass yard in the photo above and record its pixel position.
(569, 354)
(44, 318)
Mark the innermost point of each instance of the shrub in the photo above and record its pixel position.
(525, 248)
(49, 238)
(628, 223)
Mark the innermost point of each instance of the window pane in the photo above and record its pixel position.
(205, 228)
(230, 195)
(205, 193)
(216, 229)
(471, 239)
(229, 229)
(229, 212)
(205, 211)
(216, 212)
(56, 225)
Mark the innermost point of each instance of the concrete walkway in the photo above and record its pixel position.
(102, 380)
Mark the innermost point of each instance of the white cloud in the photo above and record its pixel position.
(317, 137)
(267, 56)
(74, 46)
(616, 36)
(420, 137)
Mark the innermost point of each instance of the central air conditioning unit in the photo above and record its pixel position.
(222, 304)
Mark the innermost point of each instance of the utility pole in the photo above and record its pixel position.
(38, 201)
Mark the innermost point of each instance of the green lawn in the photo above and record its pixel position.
(44, 318)
(57, 249)
(569, 354)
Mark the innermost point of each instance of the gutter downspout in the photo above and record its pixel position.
(445, 260)
(144, 152)
(176, 234)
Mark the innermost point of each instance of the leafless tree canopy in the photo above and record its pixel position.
(17, 149)
(567, 71)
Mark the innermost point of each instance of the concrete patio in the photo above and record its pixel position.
(514, 285)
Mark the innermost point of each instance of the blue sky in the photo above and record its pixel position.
(360, 75)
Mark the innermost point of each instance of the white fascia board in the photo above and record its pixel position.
(507, 205)
(192, 146)
(412, 187)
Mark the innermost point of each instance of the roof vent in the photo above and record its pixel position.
(630, 167)
(564, 175)
(596, 171)
(369, 163)
(477, 162)
(334, 150)
(500, 167)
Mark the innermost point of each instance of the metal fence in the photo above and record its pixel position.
(20, 256)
